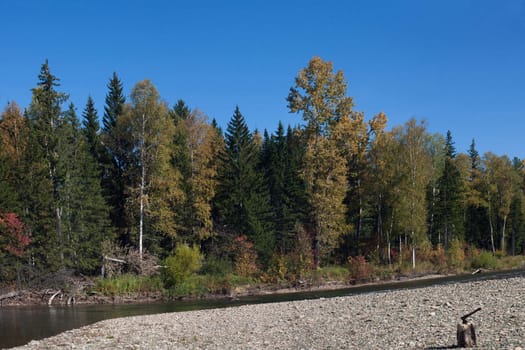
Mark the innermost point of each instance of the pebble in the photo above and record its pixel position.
(411, 318)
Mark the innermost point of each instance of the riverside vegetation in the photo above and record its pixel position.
(165, 203)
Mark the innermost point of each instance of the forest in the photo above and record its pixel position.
(170, 193)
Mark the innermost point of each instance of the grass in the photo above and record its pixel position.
(128, 284)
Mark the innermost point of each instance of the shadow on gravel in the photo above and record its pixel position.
(442, 347)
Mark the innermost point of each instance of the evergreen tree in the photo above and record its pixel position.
(45, 176)
(517, 215)
(91, 128)
(449, 211)
(115, 158)
(86, 217)
(242, 200)
(115, 101)
(476, 214)
(281, 164)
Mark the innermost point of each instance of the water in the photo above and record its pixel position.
(19, 325)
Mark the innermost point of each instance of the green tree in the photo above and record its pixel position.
(115, 158)
(449, 205)
(476, 212)
(242, 200)
(45, 215)
(91, 128)
(84, 212)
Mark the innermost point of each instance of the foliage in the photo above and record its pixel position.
(128, 284)
(182, 264)
(242, 202)
(245, 257)
(456, 254)
(14, 236)
(359, 268)
(270, 207)
(485, 260)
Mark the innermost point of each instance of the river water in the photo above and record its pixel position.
(20, 325)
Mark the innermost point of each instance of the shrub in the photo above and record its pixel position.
(216, 266)
(456, 254)
(484, 260)
(128, 284)
(245, 257)
(438, 258)
(185, 262)
(359, 268)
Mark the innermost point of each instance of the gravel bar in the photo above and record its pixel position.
(423, 318)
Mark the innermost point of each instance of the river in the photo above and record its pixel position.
(19, 325)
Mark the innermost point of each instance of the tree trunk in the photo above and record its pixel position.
(142, 184)
(466, 335)
(491, 227)
(413, 252)
(503, 245)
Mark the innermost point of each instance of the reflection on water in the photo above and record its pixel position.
(19, 325)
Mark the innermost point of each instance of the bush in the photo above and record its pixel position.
(456, 254)
(359, 268)
(180, 266)
(128, 284)
(216, 266)
(484, 260)
(245, 257)
(438, 258)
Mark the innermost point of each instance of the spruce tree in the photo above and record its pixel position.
(281, 165)
(91, 128)
(449, 210)
(115, 158)
(45, 175)
(476, 213)
(242, 199)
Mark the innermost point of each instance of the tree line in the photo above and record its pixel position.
(151, 177)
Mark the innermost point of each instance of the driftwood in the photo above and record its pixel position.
(115, 260)
(50, 301)
(466, 331)
(9, 295)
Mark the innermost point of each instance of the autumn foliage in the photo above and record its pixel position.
(14, 236)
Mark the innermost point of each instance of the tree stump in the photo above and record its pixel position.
(466, 335)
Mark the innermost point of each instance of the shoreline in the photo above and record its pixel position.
(28, 298)
(421, 318)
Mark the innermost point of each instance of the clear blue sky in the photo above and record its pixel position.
(460, 64)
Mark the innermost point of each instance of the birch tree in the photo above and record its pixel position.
(319, 95)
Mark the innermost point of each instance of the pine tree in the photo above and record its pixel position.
(86, 216)
(476, 212)
(242, 200)
(91, 128)
(449, 209)
(281, 163)
(46, 177)
(115, 158)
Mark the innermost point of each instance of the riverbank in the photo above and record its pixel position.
(54, 296)
(423, 318)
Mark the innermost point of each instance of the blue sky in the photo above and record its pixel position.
(459, 64)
